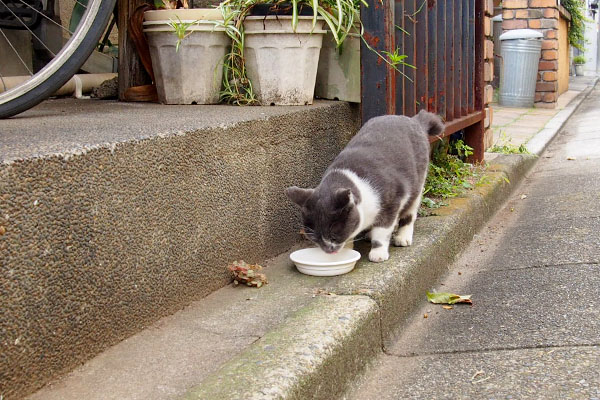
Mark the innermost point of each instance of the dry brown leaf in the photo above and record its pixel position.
(247, 274)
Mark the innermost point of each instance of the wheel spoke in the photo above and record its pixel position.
(16, 52)
(48, 18)
(26, 27)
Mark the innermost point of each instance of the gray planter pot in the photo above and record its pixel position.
(282, 64)
(193, 74)
(338, 76)
(579, 69)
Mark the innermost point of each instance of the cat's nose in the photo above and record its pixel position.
(331, 249)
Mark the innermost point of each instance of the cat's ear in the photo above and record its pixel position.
(343, 198)
(299, 195)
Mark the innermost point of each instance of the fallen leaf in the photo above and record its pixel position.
(571, 158)
(447, 307)
(247, 273)
(448, 298)
(425, 315)
(523, 196)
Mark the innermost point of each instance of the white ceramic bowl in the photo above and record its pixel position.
(314, 261)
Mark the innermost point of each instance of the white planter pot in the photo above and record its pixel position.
(193, 74)
(282, 64)
(579, 69)
(338, 76)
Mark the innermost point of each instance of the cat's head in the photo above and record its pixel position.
(329, 217)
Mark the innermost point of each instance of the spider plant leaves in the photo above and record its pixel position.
(181, 30)
(294, 14)
(315, 7)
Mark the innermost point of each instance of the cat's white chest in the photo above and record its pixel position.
(369, 205)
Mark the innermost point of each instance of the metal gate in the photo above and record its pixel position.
(444, 40)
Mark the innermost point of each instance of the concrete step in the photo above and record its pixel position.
(298, 337)
(114, 215)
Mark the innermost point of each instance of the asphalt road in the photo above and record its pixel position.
(533, 331)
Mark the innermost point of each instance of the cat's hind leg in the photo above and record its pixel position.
(406, 223)
(380, 243)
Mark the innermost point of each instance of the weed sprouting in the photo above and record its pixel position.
(449, 174)
(504, 146)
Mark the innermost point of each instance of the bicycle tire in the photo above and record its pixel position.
(63, 66)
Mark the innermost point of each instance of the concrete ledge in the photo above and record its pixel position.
(116, 231)
(308, 357)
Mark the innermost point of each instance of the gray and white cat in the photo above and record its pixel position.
(374, 184)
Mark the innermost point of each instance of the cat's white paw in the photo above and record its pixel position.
(402, 240)
(404, 236)
(379, 255)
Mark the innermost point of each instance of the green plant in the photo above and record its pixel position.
(449, 174)
(508, 149)
(580, 59)
(504, 146)
(339, 15)
(180, 29)
(577, 28)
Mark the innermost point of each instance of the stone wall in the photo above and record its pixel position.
(544, 16)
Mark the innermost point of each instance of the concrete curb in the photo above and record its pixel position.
(320, 350)
(332, 338)
(540, 141)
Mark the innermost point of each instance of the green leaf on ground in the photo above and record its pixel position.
(448, 298)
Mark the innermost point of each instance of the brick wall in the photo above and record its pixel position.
(541, 15)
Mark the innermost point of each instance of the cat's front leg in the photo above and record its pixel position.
(380, 243)
(403, 237)
(406, 224)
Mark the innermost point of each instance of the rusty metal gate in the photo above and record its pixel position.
(444, 40)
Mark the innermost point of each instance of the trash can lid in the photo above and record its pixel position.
(497, 18)
(521, 34)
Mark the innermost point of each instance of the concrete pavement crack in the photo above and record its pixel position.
(492, 350)
(543, 266)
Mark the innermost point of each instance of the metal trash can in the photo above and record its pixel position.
(521, 50)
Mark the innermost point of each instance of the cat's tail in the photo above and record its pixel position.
(431, 123)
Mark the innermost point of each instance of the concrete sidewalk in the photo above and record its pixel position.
(299, 337)
(516, 126)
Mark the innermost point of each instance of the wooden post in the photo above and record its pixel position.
(131, 70)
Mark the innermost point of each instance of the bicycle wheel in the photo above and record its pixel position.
(64, 64)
